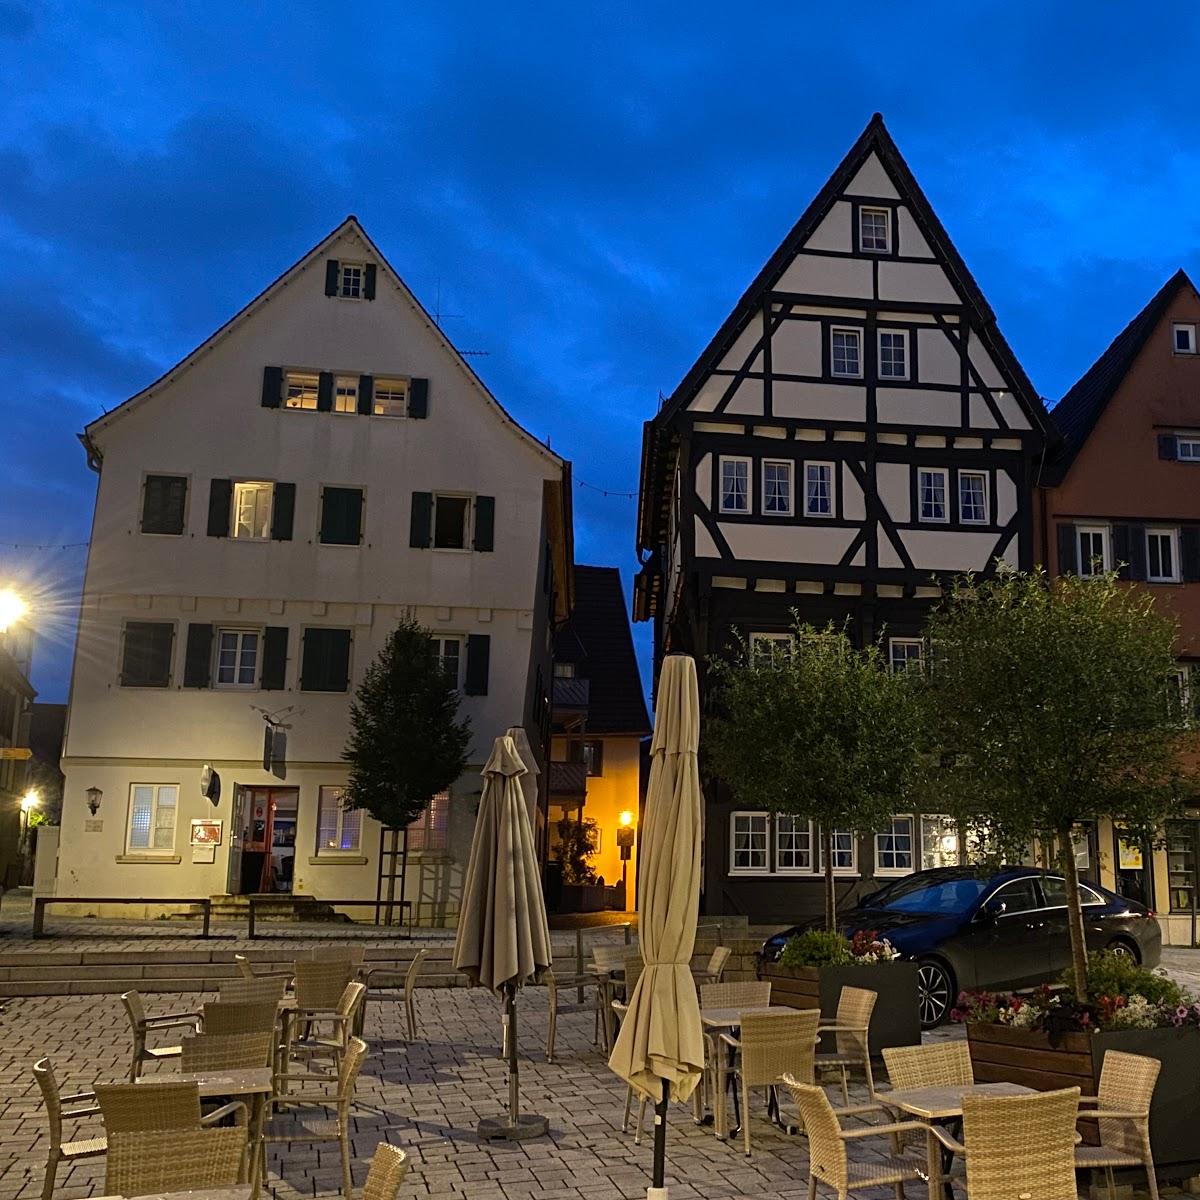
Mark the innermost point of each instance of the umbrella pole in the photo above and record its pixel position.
(514, 1126)
(657, 1189)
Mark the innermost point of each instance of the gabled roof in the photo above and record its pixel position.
(349, 226)
(1077, 412)
(597, 639)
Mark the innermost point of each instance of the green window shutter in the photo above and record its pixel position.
(1122, 539)
(1068, 551)
(421, 528)
(146, 655)
(283, 509)
(418, 399)
(325, 391)
(1189, 553)
(369, 282)
(220, 496)
(197, 657)
(1137, 552)
(272, 393)
(164, 499)
(366, 395)
(479, 649)
(341, 516)
(1167, 446)
(325, 660)
(274, 663)
(485, 522)
(332, 273)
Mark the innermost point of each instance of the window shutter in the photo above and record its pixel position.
(369, 282)
(485, 522)
(325, 660)
(1189, 552)
(1122, 536)
(341, 516)
(164, 498)
(420, 530)
(1167, 447)
(1137, 552)
(146, 660)
(272, 393)
(274, 664)
(331, 277)
(1068, 551)
(366, 395)
(283, 510)
(325, 391)
(479, 649)
(197, 658)
(220, 496)
(418, 399)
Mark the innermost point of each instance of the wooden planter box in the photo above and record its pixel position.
(896, 1020)
(1019, 1056)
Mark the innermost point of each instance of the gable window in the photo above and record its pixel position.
(748, 843)
(1162, 555)
(906, 654)
(793, 844)
(350, 281)
(431, 829)
(341, 516)
(932, 485)
(972, 497)
(893, 354)
(894, 847)
(818, 489)
(449, 652)
(1183, 339)
(1187, 447)
(300, 390)
(152, 808)
(345, 394)
(847, 353)
(164, 499)
(874, 229)
(338, 827)
(390, 398)
(777, 487)
(146, 653)
(237, 658)
(325, 660)
(939, 841)
(1093, 549)
(450, 517)
(252, 510)
(735, 485)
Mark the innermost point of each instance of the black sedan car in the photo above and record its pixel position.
(1006, 929)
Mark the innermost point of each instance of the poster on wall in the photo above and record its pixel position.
(1130, 855)
(206, 833)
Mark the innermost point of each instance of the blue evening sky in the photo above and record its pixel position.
(590, 186)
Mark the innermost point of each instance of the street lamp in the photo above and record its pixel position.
(93, 800)
(625, 837)
(12, 609)
(29, 802)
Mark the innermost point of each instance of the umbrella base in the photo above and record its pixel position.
(528, 1125)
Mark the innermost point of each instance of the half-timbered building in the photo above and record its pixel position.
(857, 432)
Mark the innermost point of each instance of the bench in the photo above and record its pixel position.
(41, 903)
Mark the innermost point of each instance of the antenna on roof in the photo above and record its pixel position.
(439, 317)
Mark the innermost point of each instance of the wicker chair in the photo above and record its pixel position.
(770, 1045)
(172, 1104)
(262, 989)
(141, 1026)
(309, 1095)
(388, 1168)
(247, 971)
(604, 958)
(712, 971)
(408, 989)
(850, 1028)
(210, 1052)
(221, 1017)
(1013, 1144)
(141, 1164)
(61, 1151)
(938, 1064)
(342, 1021)
(1123, 1115)
(753, 993)
(828, 1163)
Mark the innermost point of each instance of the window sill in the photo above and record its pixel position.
(893, 872)
(147, 858)
(334, 859)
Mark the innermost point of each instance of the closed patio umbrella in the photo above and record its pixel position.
(503, 937)
(660, 1049)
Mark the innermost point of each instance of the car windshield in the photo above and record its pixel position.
(948, 897)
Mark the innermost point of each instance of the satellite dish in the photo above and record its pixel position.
(210, 784)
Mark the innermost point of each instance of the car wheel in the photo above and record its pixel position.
(1124, 949)
(935, 992)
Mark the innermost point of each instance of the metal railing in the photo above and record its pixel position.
(41, 903)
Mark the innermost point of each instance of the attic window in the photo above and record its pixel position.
(1183, 339)
(350, 280)
(874, 230)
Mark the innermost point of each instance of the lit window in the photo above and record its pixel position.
(450, 516)
(237, 657)
(350, 281)
(893, 354)
(735, 485)
(847, 353)
(252, 510)
(972, 497)
(874, 229)
(593, 757)
(793, 844)
(777, 488)
(1093, 550)
(1162, 558)
(905, 654)
(748, 846)
(338, 827)
(431, 829)
(894, 846)
(449, 652)
(152, 816)
(1184, 339)
(300, 390)
(931, 493)
(345, 394)
(390, 398)
(939, 842)
(818, 489)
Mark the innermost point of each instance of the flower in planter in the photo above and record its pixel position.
(868, 947)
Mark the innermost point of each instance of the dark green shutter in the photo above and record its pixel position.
(420, 529)
(366, 395)
(1068, 551)
(1189, 553)
(341, 516)
(369, 282)
(325, 660)
(274, 664)
(479, 649)
(418, 398)
(197, 657)
(325, 392)
(1167, 446)
(164, 499)
(146, 660)
(272, 393)
(220, 496)
(331, 277)
(1122, 537)
(283, 509)
(485, 522)
(1137, 552)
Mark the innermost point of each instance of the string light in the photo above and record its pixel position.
(606, 491)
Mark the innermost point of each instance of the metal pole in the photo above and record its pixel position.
(658, 1189)
(514, 1102)
(579, 964)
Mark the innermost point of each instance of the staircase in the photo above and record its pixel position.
(274, 906)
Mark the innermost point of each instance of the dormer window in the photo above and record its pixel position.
(350, 286)
(349, 280)
(874, 230)
(1183, 339)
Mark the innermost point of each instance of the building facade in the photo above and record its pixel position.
(857, 432)
(16, 711)
(322, 465)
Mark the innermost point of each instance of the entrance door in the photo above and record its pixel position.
(233, 883)
(267, 825)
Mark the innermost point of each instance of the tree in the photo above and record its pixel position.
(1062, 700)
(577, 843)
(406, 743)
(821, 731)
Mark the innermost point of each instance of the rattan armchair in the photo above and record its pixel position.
(751, 993)
(54, 1101)
(261, 989)
(210, 1052)
(937, 1064)
(141, 1026)
(171, 1104)
(342, 1022)
(408, 989)
(388, 1168)
(712, 971)
(851, 1029)
(246, 971)
(605, 959)
(1122, 1113)
(221, 1017)
(142, 1164)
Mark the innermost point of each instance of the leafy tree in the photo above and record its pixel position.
(821, 731)
(1062, 702)
(577, 842)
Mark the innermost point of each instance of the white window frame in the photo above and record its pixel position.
(157, 789)
(325, 796)
(468, 522)
(1086, 570)
(808, 510)
(1192, 442)
(880, 334)
(980, 475)
(852, 869)
(239, 632)
(894, 644)
(429, 833)
(345, 385)
(309, 383)
(913, 848)
(874, 211)
(856, 334)
(790, 466)
(1189, 332)
(944, 821)
(1172, 536)
(1183, 679)
(440, 640)
(390, 384)
(734, 459)
(944, 472)
(765, 869)
(345, 270)
(239, 487)
(804, 828)
(772, 641)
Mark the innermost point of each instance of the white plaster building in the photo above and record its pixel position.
(323, 463)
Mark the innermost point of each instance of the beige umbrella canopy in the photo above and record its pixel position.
(660, 1048)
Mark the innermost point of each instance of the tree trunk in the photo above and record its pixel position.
(960, 832)
(830, 895)
(1066, 855)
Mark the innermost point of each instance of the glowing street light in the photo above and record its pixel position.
(12, 609)
(30, 801)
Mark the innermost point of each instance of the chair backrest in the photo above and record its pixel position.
(753, 993)
(633, 972)
(339, 952)
(220, 1017)
(225, 1052)
(320, 984)
(260, 989)
(779, 1043)
(1126, 1085)
(826, 1149)
(717, 961)
(855, 1006)
(135, 1010)
(938, 1064)
(351, 998)
(141, 1164)
(609, 958)
(43, 1072)
(348, 1069)
(414, 971)
(388, 1168)
(1021, 1145)
(138, 1107)
(243, 965)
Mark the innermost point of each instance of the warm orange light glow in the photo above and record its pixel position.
(625, 818)
(12, 608)
(29, 801)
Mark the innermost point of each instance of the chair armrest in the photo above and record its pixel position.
(1112, 1114)
(1089, 1099)
(173, 1021)
(951, 1143)
(857, 1110)
(76, 1097)
(833, 1028)
(876, 1130)
(91, 1111)
(731, 1041)
(237, 1107)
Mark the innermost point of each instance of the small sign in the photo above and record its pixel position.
(18, 752)
(93, 825)
(206, 833)
(204, 854)
(1130, 856)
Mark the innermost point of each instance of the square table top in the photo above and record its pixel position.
(944, 1103)
(731, 1018)
(255, 1080)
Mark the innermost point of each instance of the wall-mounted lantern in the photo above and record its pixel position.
(94, 796)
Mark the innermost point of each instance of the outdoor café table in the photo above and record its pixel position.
(726, 1020)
